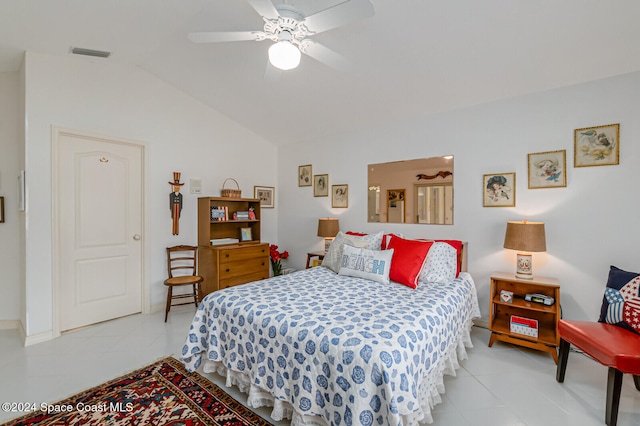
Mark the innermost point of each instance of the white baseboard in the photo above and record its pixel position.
(38, 338)
(482, 323)
(9, 324)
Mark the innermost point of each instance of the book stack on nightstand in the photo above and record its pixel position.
(529, 321)
(314, 258)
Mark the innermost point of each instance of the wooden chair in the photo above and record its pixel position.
(182, 270)
(610, 345)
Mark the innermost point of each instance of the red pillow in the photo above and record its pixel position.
(456, 244)
(357, 234)
(385, 240)
(407, 261)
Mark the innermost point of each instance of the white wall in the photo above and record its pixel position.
(590, 224)
(10, 229)
(180, 133)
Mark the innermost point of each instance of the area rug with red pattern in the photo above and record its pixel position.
(163, 393)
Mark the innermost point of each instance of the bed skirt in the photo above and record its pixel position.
(430, 389)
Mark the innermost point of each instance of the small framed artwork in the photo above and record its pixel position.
(321, 186)
(245, 234)
(395, 194)
(548, 169)
(1, 209)
(304, 175)
(499, 190)
(340, 196)
(596, 146)
(266, 195)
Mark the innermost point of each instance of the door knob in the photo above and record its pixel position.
(136, 237)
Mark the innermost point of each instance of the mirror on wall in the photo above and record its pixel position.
(411, 191)
(395, 205)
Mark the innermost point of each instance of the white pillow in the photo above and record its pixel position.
(372, 265)
(333, 258)
(441, 264)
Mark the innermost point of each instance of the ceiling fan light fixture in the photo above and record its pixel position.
(284, 55)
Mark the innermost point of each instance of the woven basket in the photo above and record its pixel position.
(230, 193)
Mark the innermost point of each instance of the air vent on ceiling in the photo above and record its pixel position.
(89, 52)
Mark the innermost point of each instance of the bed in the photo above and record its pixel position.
(323, 348)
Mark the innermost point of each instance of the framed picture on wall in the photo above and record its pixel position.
(304, 175)
(1, 209)
(321, 186)
(340, 196)
(395, 194)
(266, 195)
(596, 146)
(499, 190)
(548, 169)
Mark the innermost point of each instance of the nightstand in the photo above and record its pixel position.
(310, 255)
(545, 336)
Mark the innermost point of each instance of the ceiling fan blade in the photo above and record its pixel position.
(265, 8)
(215, 37)
(341, 14)
(325, 55)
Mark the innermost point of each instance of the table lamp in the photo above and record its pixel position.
(525, 237)
(328, 228)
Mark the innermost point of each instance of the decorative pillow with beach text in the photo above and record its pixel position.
(372, 265)
(333, 258)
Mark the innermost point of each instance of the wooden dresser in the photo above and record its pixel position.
(226, 265)
(229, 265)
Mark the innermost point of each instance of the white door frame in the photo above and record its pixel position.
(55, 225)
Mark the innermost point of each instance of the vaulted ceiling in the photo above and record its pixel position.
(412, 58)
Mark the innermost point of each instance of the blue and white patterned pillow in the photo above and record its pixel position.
(621, 302)
(440, 265)
(372, 265)
(333, 258)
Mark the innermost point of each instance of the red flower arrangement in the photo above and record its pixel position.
(276, 257)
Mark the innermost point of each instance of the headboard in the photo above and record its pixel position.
(463, 256)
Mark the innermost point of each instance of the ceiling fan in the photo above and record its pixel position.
(290, 30)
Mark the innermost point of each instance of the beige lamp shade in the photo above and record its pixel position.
(525, 237)
(328, 227)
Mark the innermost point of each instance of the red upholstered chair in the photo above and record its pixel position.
(610, 345)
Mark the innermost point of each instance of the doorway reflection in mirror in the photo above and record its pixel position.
(426, 196)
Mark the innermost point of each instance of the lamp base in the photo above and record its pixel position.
(327, 244)
(524, 268)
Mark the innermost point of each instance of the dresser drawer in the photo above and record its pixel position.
(243, 279)
(244, 267)
(236, 254)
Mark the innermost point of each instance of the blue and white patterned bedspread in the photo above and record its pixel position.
(349, 350)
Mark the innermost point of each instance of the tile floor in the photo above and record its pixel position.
(503, 385)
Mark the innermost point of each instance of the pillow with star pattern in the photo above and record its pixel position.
(621, 302)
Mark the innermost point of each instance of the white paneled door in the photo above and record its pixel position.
(99, 198)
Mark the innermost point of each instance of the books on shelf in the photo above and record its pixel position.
(219, 213)
(241, 215)
(525, 326)
(218, 241)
